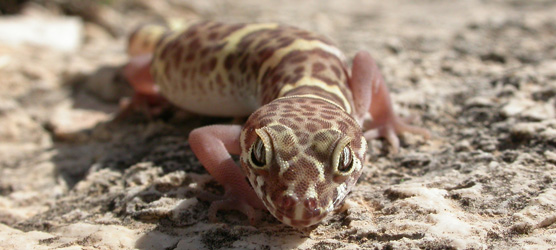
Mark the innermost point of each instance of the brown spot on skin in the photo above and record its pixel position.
(270, 115)
(228, 63)
(288, 123)
(297, 78)
(284, 42)
(204, 52)
(287, 79)
(289, 115)
(213, 36)
(212, 64)
(276, 32)
(302, 186)
(261, 44)
(299, 59)
(191, 32)
(330, 112)
(254, 68)
(309, 108)
(231, 78)
(272, 107)
(318, 67)
(299, 70)
(314, 90)
(336, 71)
(178, 55)
(288, 106)
(326, 80)
(190, 57)
(173, 44)
(165, 52)
(245, 42)
(311, 127)
(219, 47)
(322, 123)
(289, 175)
(342, 124)
(276, 78)
(264, 122)
(205, 68)
(243, 65)
(266, 53)
(288, 152)
(194, 45)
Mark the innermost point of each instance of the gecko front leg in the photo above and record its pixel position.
(213, 146)
(372, 96)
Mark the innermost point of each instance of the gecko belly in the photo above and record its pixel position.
(212, 104)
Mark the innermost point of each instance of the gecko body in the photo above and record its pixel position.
(303, 146)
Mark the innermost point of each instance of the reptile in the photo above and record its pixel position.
(303, 146)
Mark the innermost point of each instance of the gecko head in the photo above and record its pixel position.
(302, 156)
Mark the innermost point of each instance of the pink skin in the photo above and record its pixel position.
(214, 145)
(370, 93)
(146, 97)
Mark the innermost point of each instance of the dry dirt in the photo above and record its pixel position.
(481, 75)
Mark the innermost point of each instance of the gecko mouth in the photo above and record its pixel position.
(298, 214)
(299, 222)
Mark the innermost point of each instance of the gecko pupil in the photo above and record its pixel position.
(345, 162)
(258, 156)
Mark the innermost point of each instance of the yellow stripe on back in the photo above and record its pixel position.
(311, 81)
(299, 44)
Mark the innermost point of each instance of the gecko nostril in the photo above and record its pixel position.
(288, 202)
(310, 203)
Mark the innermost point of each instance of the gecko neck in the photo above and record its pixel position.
(333, 97)
(313, 96)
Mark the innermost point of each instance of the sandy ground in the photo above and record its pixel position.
(481, 75)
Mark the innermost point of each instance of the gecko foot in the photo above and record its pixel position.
(149, 105)
(213, 145)
(391, 128)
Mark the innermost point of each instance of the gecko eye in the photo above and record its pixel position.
(345, 161)
(258, 153)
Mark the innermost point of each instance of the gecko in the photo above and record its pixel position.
(303, 146)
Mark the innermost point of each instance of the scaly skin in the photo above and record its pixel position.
(303, 145)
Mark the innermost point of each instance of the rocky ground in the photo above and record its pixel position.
(481, 75)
